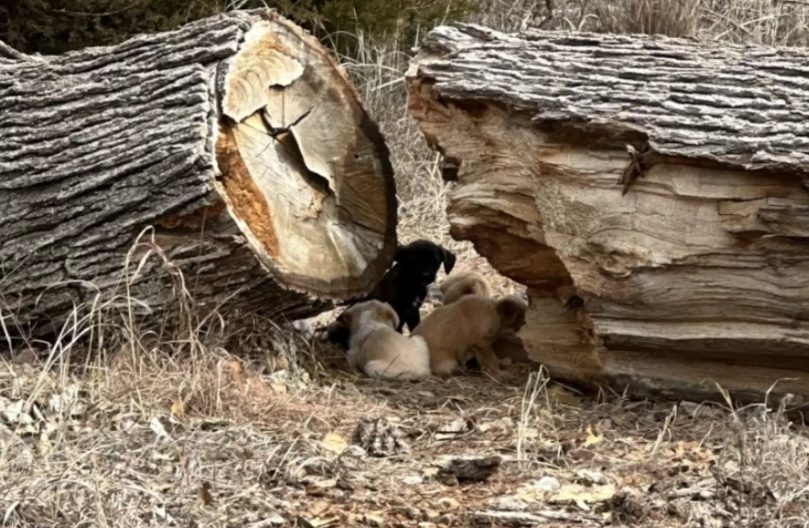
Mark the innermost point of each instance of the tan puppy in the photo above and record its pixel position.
(376, 348)
(464, 283)
(468, 327)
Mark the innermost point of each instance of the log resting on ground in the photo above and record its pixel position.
(234, 146)
(652, 194)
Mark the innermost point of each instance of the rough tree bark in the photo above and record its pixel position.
(235, 145)
(651, 192)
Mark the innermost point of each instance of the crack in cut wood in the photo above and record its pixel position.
(285, 136)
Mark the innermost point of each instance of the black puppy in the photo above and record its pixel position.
(404, 286)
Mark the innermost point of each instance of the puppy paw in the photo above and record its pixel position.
(444, 368)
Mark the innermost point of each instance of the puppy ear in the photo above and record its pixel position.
(388, 314)
(511, 311)
(394, 317)
(449, 259)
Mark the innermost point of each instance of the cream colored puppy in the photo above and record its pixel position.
(468, 327)
(464, 283)
(376, 348)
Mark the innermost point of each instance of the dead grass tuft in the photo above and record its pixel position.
(768, 22)
(675, 18)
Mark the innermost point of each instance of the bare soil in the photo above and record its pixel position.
(216, 440)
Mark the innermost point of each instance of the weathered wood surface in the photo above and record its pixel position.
(234, 145)
(700, 272)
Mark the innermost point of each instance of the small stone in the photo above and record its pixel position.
(546, 483)
(412, 480)
(454, 429)
(590, 477)
(510, 503)
(448, 503)
(275, 520)
(431, 514)
(374, 519)
(355, 451)
(413, 513)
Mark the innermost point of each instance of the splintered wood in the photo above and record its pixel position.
(233, 149)
(651, 192)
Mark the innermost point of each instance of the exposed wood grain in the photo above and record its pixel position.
(700, 272)
(162, 136)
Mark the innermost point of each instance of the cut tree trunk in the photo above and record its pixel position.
(234, 150)
(651, 193)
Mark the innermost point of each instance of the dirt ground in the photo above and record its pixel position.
(268, 426)
(262, 426)
(295, 439)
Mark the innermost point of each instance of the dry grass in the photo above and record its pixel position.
(221, 440)
(768, 22)
(675, 18)
(222, 423)
(243, 423)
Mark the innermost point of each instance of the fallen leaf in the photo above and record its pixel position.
(177, 409)
(582, 496)
(413, 480)
(14, 414)
(374, 519)
(67, 403)
(162, 513)
(278, 384)
(448, 503)
(320, 486)
(592, 438)
(157, 428)
(318, 508)
(587, 476)
(681, 448)
(44, 445)
(334, 442)
(561, 395)
(205, 494)
(319, 522)
(273, 519)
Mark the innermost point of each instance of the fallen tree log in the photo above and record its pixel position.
(235, 146)
(652, 193)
